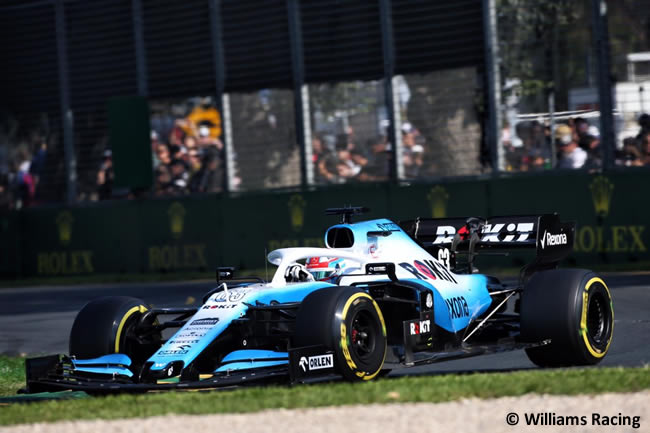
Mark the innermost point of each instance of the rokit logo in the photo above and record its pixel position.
(219, 307)
(423, 327)
(550, 240)
(493, 233)
(429, 270)
(317, 362)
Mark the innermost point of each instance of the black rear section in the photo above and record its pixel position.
(551, 238)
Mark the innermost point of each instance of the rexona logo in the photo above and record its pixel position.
(423, 327)
(550, 240)
(317, 362)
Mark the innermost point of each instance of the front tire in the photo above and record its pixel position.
(573, 308)
(349, 322)
(107, 325)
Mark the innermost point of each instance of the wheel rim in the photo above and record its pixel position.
(363, 334)
(597, 319)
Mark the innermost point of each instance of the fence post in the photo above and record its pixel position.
(388, 49)
(140, 53)
(70, 159)
(493, 78)
(300, 94)
(601, 46)
(221, 101)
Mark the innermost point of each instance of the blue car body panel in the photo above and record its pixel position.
(250, 359)
(225, 311)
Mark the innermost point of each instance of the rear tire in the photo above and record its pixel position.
(107, 325)
(349, 322)
(573, 308)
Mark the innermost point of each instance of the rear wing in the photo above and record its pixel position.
(551, 238)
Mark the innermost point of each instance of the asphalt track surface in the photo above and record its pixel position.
(37, 320)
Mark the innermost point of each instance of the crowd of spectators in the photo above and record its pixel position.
(577, 146)
(636, 150)
(23, 155)
(188, 154)
(187, 151)
(340, 159)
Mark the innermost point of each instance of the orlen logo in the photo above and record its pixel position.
(551, 239)
(317, 362)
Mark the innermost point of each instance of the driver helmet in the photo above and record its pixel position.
(325, 268)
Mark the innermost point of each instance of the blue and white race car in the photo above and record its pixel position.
(378, 297)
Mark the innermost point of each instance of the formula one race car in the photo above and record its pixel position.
(380, 296)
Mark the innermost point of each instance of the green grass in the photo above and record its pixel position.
(430, 388)
(12, 374)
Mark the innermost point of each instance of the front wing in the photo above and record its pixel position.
(45, 374)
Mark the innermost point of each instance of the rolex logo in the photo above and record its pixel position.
(297, 212)
(176, 214)
(601, 194)
(64, 223)
(438, 200)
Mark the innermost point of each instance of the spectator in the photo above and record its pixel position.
(38, 161)
(24, 188)
(190, 142)
(177, 152)
(346, 167)
(644, 124)
(6, 198)
(162, 155)
(413, 153)
(378, 167)
(204, 115)
(645, 148)
(179, 177)
(537, 160)
(194, 160)
(210, 177)
(320, 156)
(581, 127)
(591, 145)
(162, 185)
(205, 139)
(629, 156)
(327, 160)
(571, 155)
(105, 176)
